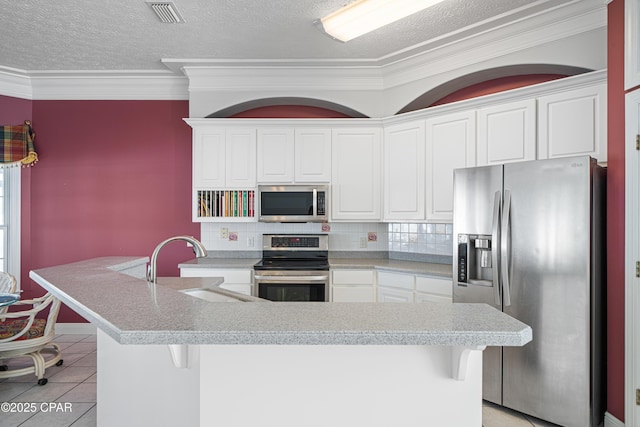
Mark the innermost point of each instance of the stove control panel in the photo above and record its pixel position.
(295, 242)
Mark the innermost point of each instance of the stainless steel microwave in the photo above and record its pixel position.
(293, 203)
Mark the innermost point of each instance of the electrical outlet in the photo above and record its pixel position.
(224, 233)
(250, 242)
(363, 242)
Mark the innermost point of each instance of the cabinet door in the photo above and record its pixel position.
(356, 174)
(507, 133)
(353, 294)
(451, 144)
(573, 123)
(404, 172)
(313, 155)
(241, 158)
(394, 295)
(209, 157)
(631, 45)
(275, 155)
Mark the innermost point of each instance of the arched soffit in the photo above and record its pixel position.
(443, 94)
(263, 104)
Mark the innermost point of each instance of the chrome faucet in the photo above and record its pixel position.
(198, 248)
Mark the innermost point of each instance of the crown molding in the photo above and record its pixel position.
(15, 84)
(242, 79)
(93, 85)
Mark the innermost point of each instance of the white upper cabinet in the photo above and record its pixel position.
(404, 171)
(573, 123)
(356, 174)
(313, 155)
(507, 133)
(287, 155)
(275, 155)
(241, 158)
(224, 157)
(451, 144)
(209, 157)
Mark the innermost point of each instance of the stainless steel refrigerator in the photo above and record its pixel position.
(529, 239)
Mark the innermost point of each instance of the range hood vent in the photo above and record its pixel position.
(167, 12)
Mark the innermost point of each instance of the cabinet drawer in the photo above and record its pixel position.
(420, 297)
(352, 277)
(396, 280)
(229, 275)
(353, 294)
(434, 286)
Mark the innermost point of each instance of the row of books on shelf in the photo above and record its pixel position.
(226, 203)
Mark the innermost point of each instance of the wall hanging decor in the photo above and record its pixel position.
(17, 145)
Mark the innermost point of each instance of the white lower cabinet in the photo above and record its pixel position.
(404, 287)
(394, 295)
(237, 280)
(352, 286)
(395, 287)
(432, 289)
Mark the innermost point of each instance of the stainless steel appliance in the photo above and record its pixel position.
(529, 240)
(294, 267)
(293, 203)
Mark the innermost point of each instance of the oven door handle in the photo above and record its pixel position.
(290, 278)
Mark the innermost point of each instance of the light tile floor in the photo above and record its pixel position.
(68, 399)
(74, 384)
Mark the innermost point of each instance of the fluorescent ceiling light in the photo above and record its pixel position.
(363, 16)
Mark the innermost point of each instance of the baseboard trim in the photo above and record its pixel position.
(611, 421)
(75, 328)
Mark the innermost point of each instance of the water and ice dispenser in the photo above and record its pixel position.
(474, 260)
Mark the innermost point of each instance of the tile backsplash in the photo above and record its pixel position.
(344, 236)
(432, 239)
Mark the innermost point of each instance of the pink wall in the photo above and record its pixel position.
(114, 178)
(615, 211)
(496, 85)
(290, 111)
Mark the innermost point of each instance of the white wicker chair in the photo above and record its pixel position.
(23, 334)
(8, 285)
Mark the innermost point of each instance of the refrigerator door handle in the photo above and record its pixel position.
(504, 248)
(494, 247)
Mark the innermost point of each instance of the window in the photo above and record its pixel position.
(10, 221)
(4, 192)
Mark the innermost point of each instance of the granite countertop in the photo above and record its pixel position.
(132, 312)
(413, 267)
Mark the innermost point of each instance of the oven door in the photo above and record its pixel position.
(304, 286)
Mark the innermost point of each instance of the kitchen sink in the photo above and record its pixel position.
(210, 295)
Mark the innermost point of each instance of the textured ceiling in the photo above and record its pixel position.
(42, 35)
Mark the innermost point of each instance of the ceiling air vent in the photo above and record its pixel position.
(166, 11)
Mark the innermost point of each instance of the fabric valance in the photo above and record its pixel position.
(17, 145)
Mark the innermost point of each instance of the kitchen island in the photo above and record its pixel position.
(168, 358)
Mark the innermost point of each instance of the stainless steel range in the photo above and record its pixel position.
(294, 267)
